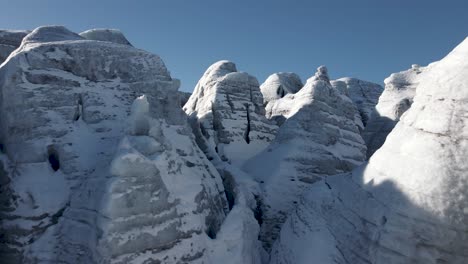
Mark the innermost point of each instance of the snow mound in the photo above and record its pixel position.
(50, 34)
(227, 114)
(279, 84)
(104, 34)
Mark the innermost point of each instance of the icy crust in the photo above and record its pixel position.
(409, 203)
(104, 34)
(400, 89)
(364, 95)
(279, 84)
(9, 41)
(65, 107)
(227, 114)
(50, 34)
(319, 138)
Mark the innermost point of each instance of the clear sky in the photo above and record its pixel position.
(363, 39)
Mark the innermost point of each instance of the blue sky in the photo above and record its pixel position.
(363, 39)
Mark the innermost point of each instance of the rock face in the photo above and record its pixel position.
(88, 178)
(319, 138)
(9, 41)
(364, 95)
(226, 109)
(397, 97)
(409, 203)
(279, 84)
(104, 34)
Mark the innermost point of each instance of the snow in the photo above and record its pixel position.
(103, 34)
(279, 84)
(99, 163)
(406, 205)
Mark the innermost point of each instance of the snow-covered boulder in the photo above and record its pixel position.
(397, 97)
(319, 138)
(104, 34)
(279, 84)
(227, 114)
(9, 41)
(364, 95)
(86, 177)
(409, 203)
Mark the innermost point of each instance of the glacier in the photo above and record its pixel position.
(104, 160)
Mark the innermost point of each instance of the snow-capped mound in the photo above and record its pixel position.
(409, 203)
(279, 84)
(104, 34)
(319, 138)
(226, 106)
(50, 34)
(9, 41)
(397, 97)
(89, 178)
(364, 95)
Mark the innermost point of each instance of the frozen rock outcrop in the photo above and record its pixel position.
(397, 97)
(409, 203)
(319, 138)
(227, 114)
(279, 84)
(364, 95)
(9, 41)
(105, 34)
(86, 177)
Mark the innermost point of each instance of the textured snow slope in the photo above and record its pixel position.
(397, 97)
(319, 138)
(409, 204)
(104, 34)
(66, 116)
(227, 114)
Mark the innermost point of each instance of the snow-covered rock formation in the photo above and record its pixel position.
(87, 178)
(409, 204)
(364, 95)
(9, 41)
(104, 34)
(397, 97)
(227, 114)
(279, 84)
(319, 138)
